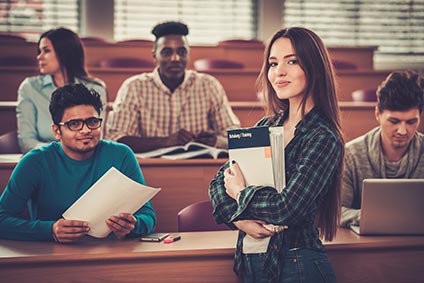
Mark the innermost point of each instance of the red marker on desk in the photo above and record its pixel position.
(171, 239)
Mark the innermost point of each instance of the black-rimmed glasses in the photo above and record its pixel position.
(77, 124)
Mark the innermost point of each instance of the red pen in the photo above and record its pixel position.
(171, 239)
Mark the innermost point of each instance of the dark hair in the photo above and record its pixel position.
(69, 52)
(315, 61)
(167, 28)
(72, 95)
(401, 91)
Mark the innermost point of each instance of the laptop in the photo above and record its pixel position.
(392, 207)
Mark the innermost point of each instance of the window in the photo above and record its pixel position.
(31, 17)
(395, 26)
(208, 21)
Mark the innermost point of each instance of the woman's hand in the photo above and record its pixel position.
(253, 228)
(234, 180)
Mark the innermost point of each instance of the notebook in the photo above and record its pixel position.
(392, 207)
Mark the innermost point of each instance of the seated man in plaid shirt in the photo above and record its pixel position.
(171, 105)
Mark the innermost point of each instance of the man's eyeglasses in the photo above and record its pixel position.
(77, 124)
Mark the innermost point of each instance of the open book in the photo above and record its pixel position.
(112, 194)
(189, 150)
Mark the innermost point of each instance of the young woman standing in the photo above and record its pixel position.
(297, 81)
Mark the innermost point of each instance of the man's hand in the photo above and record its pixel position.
(253, 228)
(66, 231)
(180, 138)
(121, 225)
(208, 138)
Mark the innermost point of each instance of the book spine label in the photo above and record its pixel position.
(248, 137)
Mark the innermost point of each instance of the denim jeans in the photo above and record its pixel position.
(300, 266)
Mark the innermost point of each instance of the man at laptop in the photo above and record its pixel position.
(395, 149)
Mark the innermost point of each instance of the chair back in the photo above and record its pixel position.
(126, 62)
(198, 217)
(364, 95)
(9, 143)
(136, 42)
(93, 39)
(241, 42)
(344, 65)
(211, 63)
(11, 37)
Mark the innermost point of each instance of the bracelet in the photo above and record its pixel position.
(275, 228)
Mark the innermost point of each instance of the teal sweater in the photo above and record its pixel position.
(47, 181)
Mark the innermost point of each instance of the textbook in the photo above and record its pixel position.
(259, 152)
(112, 194)
(189, 150)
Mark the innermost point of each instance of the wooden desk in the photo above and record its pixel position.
(376, 258)
(8, 120)
(361, 56)
(238, 84)
(198, 257)
(183, 182)
(357, 117)
(250, 56)
(11, 78)
(350, 80)
(247, 112)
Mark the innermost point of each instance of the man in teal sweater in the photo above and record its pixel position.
(50, 179)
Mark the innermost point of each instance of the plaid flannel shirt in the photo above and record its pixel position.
(311, 157)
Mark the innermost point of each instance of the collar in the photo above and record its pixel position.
(311, 119)
(46, 81)
(188, 78)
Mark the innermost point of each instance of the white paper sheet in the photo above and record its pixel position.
(112, 194)
(15, 157)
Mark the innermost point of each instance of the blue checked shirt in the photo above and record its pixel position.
(312, 157)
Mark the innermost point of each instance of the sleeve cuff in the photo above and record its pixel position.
(221, 142)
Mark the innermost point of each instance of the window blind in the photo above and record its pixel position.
(208, 21)
(31, 17)
(395, 26)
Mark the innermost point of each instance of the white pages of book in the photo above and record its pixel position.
(159, 152)
(189, 150)
(10, 157)
(206, 152)
(276, 135)
(112, 194)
